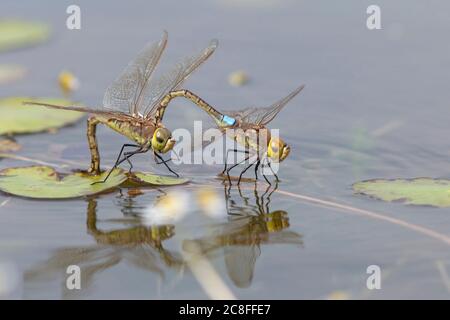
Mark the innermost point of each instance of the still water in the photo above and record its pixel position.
(375, 106)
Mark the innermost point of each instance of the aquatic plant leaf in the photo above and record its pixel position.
(150, 178)
(11, 72)
(17, 118)
(42, 182)
(16, 34)
(418, 191)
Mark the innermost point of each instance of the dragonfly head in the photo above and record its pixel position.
(162, 141)
(278, 150)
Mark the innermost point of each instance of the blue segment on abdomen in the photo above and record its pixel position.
(229, 121)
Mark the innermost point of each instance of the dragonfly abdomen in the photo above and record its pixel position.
(221, 119)
(227, 121)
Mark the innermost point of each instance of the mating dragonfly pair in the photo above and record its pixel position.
(134, 106)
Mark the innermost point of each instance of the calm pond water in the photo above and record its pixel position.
(375, 106)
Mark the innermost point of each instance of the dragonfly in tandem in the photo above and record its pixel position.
(134, 104)
(248, 127)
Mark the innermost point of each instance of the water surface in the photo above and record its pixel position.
(375, 106)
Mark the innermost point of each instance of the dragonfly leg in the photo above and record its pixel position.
(127, 156)
(233, 166)
(265, 177)
(258, 162)
(242, 173)
(121, 151)
(270, 167)
(267, 180)
(270, 195)
(266, 192)
(164, 162)
(159, 162)
(93, 147)
(226, 158)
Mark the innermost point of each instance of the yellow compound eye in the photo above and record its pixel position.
(277, 149)
(160, 138)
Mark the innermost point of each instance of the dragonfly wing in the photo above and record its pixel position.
(240, 263)
(126, 92)
(198, 142)
(243, 115)
(170, 81)
(242, 249)
(78, 108)
(262, 116)
(277, 106)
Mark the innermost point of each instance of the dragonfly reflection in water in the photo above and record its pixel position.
(133, 104)
(139, 245)
(249, 226)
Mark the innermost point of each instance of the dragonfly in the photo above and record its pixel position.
(134, 104)
(251, 132)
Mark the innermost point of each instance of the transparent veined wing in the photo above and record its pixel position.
(126, 93)
(240, 262)
(262, 116)
(158, 87)
(198, 142)
(80, 109)
(122, 96)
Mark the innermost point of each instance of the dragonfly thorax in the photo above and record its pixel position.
(252, 138)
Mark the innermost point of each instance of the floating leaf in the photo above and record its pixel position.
(153, 179)
(8, 145)
(10, 73)
(418, 191)
(17, 34)
(41, 182)
(16, 118)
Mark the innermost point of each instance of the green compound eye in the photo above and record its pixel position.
(160, 138)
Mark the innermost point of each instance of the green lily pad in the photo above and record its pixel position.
(17, 118)
(41, 182)
(17, 33)
(11, 72)
(418, 191)
(153, 179)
